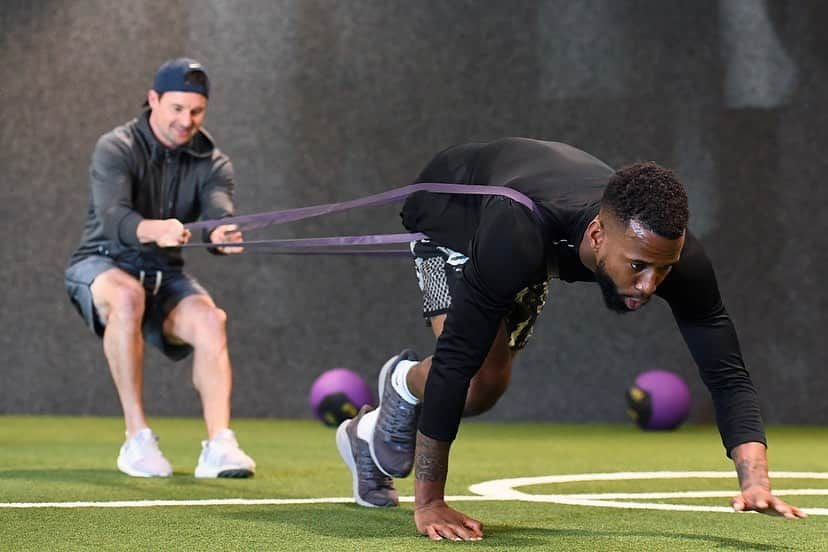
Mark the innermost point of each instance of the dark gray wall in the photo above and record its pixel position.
(320, 101)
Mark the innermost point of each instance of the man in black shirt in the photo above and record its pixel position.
(484, 271)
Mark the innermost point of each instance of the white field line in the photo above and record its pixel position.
(504, 489)
(214, 502)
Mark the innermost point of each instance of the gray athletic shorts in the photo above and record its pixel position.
(440, 268)
(163, 292)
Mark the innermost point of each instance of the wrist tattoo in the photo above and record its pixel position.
(751, 472)
(430, 459)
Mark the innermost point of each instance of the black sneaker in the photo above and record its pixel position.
(395, 433)
(371, 487)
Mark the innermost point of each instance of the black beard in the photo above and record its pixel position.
(612, 299)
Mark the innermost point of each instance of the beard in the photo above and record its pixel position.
(612, 299)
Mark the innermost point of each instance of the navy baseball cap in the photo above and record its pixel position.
(182, 75)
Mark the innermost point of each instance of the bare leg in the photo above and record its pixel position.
(486, 387)
(119, 300)
(197, 321)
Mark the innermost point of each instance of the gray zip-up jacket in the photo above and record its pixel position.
(134, 177)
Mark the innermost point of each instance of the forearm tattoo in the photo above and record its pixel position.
(752, 472)
(431, 459)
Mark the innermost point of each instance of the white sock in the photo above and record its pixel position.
(365, 429)
(398, 381)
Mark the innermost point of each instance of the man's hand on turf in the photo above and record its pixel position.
(751, 462)
(438, 521)
(431, 513)
(759, 499)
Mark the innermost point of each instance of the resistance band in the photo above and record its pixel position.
(371, 244)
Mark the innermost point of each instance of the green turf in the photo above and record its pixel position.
(48, 459)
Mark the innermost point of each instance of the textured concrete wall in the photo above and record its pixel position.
(320, 101)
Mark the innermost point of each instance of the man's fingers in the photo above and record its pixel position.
(470, 530)
(784, 509)
(225, 232)
(231, 234)
(461, 533)
(452, 533)
(448, 535)
(228, 233)
(475, 527)
(433, 534)
(771, 507)
(797, 513)
(447, 532)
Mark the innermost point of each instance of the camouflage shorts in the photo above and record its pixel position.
(439, 268)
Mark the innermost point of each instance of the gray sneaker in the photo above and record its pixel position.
(395, 433)
(371, 487)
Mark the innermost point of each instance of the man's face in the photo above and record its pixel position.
(176, 116)
(632, 262)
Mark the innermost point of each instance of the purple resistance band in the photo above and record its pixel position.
(371, 244)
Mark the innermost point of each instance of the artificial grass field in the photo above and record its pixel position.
(60, 459)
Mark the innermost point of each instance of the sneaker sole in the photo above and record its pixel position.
(224, 473)
(343, 445)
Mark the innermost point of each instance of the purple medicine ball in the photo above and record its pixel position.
(337, 395)
(659, 400)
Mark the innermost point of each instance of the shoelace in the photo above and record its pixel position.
(400, 424)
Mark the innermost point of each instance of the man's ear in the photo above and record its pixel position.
(596, 233)
(152, 99)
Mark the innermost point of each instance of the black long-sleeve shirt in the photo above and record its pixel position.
(510, 248)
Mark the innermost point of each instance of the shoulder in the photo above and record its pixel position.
(510, 235)
(691, 288)
(694, 264)
(117, 144)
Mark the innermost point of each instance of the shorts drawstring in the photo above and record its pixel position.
(158, 278)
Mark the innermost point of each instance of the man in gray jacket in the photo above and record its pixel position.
(126, 279)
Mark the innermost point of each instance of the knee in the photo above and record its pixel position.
(487, 386)
(215, 321)
(210, 328)
(482, 396)
(126, 303)
(478, 404)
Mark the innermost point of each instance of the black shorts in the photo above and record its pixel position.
(440, 268)
(163, 292)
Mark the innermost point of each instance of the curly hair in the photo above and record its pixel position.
(651, 195)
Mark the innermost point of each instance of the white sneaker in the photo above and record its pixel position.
(141, 457)
(222, 457)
